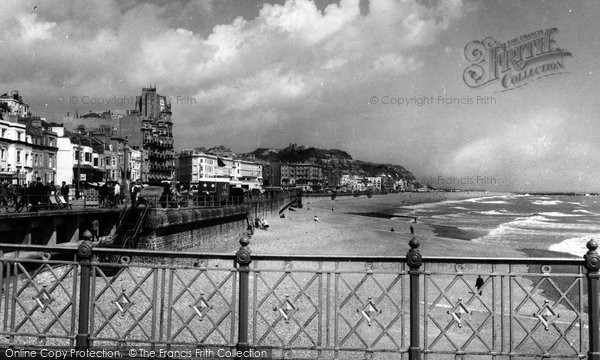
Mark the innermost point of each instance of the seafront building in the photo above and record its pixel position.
(197, 166)
(13, 104)
(149, 129)
(15, 151)
(94, 147)
(43, 149)
(307, 176)
(132, 145)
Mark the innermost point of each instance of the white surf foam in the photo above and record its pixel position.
(575, 246)
(492, 212)
(586, 212)
(558, 214)
(546, 202)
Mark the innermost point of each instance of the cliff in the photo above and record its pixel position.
(331, 159)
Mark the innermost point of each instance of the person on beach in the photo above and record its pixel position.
(412, 230)
(479, 284)
(316, 218)
(333, 209)
(261, 224)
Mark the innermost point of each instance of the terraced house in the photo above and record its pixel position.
(15, 151)
(43, 149)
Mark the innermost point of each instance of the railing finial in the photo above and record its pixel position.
(413, 257)
(592, 264)
(592, 258)
(84, 251)
(243, 256)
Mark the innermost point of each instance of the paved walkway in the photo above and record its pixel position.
(76, 204)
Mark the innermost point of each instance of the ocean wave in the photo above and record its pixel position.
(575, 246)
(558, 214)
(586, 212)
(492, 212)
(546, 202)
(430, 204)
(538, 225)
(486, 199)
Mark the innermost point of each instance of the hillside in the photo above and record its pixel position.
(332, 159)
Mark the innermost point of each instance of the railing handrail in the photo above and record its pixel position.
(413, 277)
(283, 257)
(138, 227)
(504, 260)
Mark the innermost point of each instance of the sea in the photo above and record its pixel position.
(559, 223)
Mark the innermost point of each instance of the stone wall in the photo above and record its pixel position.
(207, 229)
(215, 230)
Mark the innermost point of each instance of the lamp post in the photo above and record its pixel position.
(126, 158)
(78, 165)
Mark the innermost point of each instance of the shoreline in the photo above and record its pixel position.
(369, 226)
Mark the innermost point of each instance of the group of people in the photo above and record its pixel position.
(261, 224)
(109, 195)
(36, 193)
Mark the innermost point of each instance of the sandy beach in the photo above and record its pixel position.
(363, 226)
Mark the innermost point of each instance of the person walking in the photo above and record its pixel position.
(64, 191)
(4, 192)
(117, 193)
(135, 190)
(40, 193)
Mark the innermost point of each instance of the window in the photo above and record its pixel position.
(95, 161)
(107, 160)
(88, 156)
(26, 158)
(77, 156)
(114, 162)
(3, 154)
(18, 156)
(3, 133)
(50, 161)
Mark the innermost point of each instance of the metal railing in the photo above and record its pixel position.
(342, 307)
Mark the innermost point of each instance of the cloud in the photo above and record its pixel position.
(540, 151)
(292, 72)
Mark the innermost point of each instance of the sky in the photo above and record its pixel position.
(329, 74)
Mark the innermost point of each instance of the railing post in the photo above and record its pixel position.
(84, 256)
(243, 259)
(414, 261)
(592, 264)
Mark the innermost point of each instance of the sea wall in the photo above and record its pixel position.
(269, 206)
(208, 229)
